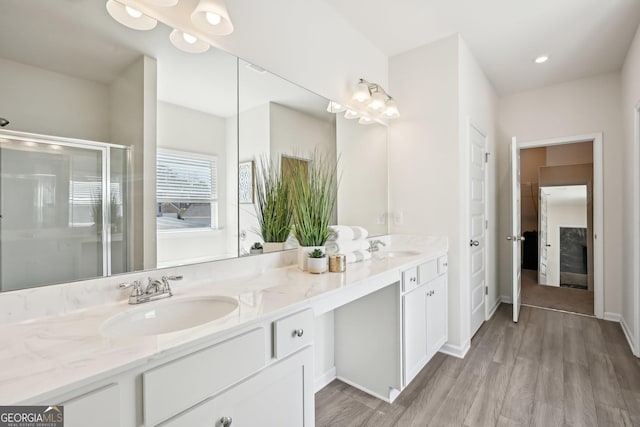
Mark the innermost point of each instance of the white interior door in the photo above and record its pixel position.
(543, 240)
(515, 236)
(477, 227)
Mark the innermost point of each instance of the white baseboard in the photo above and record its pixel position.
(494, 308)
(324, 379)
(456, 351)
(629, 335)
(612, 317)
(506, 299)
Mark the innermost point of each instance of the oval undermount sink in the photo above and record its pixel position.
(168, 316)
(397, 254)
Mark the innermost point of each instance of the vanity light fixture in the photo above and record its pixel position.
(374, 98)
(335, 107)
(212, 17)
(187, 42)
(129, 16)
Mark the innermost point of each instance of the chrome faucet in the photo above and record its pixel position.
(155, 290)
(374, 245)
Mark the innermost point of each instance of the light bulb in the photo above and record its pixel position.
(335, 107)
(189, 38)
(351, 114)
(361, 94)
(541, 59)
(134, 13)
(391, 110)
(377, 102)
(364, 120)
(213, 18)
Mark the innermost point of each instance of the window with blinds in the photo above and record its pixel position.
(186, 191)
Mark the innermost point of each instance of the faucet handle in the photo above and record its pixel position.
(165, 282)
(136, 285)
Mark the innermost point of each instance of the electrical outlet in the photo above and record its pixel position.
(398, 218)
(381, 218)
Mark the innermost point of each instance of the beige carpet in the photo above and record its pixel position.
(573, 300)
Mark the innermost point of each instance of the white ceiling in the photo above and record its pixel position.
(583, 37)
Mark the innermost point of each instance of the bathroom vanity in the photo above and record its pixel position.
(252, 366)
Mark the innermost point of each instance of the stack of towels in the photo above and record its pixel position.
(350, 241)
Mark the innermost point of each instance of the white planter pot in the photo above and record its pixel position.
(303, 255)
(273, 247)
(317, 265)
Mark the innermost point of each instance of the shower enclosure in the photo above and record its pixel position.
(64, 210)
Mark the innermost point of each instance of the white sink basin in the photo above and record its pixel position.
(156, 318)
(397, 254)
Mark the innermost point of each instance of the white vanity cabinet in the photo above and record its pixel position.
(384, 339)
(424, 317)
(280, 395)
(98, 408)
(233, 383)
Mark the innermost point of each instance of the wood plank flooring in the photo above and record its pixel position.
(549, 369)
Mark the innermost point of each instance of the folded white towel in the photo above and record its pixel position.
(357, 256)
(346, 246)
(346, 232)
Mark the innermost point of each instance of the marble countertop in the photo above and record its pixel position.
(52, 355)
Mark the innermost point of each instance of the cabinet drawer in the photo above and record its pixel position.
(99, 408)
(428, 271)
(292, 332)
(176, 386)
(443, 264)
(409, 279)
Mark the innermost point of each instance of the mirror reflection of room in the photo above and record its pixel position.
(557, 223)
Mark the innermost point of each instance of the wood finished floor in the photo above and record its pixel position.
(567, 299)
(549, 369)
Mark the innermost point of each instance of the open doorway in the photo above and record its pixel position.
(557, 223)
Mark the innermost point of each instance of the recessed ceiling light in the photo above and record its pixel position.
(541, 59)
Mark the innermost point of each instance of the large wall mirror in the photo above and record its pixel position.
(122, 152)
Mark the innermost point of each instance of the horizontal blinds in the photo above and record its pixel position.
(90, 192)
(181, 178)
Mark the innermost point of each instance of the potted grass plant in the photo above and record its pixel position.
(315, 186)
(273, 206)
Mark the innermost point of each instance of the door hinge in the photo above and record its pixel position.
(486, 157)
(486, 290)
(486, 224)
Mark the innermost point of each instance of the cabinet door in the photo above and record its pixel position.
(437, 332)
(99, 408)
(415, 333)
(280, 395)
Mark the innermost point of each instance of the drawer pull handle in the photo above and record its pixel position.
(298, 332)
(226, 421)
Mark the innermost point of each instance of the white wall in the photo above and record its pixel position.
(133, 115)
(631, 195)
(42, 101)
(363, 171)
(574, 108)
(561, 213)
(185, 130)
(440, 88)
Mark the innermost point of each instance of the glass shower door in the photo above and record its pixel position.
(54, 227)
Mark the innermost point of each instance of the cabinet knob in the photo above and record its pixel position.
(413, 279)
(226, 421)
(298, 332)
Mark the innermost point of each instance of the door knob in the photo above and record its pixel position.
(474, 243)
